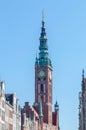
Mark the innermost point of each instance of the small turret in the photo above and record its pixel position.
(56, 115)
(56, 106)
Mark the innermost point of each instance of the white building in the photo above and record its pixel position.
(10, 112)
(2, 106)
(16, 110)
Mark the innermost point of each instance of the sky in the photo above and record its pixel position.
(20, 27)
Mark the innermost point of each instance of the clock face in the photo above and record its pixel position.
(41, 74)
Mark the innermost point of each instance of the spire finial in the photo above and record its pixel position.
(43, 18)
(43, 15)
(43, 33)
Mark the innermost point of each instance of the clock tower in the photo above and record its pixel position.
(43, 78)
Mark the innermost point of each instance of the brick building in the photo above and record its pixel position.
(40, 116)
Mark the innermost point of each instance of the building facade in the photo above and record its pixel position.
(8, 116)
(13, 101)
(41, 112)
(29, 118)
(82, 105)
(10, 112)
(2, 106)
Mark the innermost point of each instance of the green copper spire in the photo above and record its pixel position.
(43, 38)
(43, 33)
(43, 58)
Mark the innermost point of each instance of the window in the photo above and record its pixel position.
(0, 126)
(10, 126)
(44, 79)
(3, 127)
(38, 88)
(3, 115)
(3, 103)
(10, 114)
(0, 113)
(39, 79)
(42, 88)
(6, 125)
